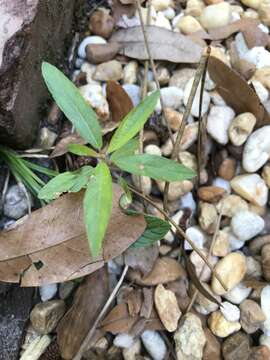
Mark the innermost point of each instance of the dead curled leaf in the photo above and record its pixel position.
(51, 245)
(236, 91)
(119, 102)
(74, 326)
(61, 147)
(164, 45)
(120, 321)
(165, 270)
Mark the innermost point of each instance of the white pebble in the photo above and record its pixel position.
(169, 13)
(265, 306)
(246, 225)
(134, 92)
(261, 91)
(89, 40)
(154, 344)
(218, 123)
(196, 235)
(230, 311)
(169, 237)
(224, 184)
(257, 149)
(124, 341)
(196, 102)
(258, 56)
(47, 291)
(187, 201)
(238, 294)
(172, 98)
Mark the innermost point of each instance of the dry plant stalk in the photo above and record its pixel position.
(91, 332)
(200, 73)
(214, 238)
(180, 232)
(153, 66)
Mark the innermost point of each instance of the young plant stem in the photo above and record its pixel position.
(91, 332)
(179, 232)
(153, 66)
(176, 146)
(214, 238)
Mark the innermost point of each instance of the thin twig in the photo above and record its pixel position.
(153, 66)
(144, 93)
(214, 238)
(180, 232)
(176, 146)
(88, 337)
(200, 115)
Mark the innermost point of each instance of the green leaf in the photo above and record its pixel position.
(73, 105)
(67, 181)
(81, 150)
(155, 230)
(133, 122)
(154, 166)
(97, 205)
(128, 149)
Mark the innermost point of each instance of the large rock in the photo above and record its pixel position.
(31, 31)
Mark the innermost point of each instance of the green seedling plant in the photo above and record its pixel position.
(121, 152)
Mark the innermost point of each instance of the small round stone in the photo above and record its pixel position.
(230, 311)
(231, 270)
(218, 122)
(251, 187)
(216, 15)
(188, 25)
(87, 41)
(238, 294)
(220, 326)
(241, 127)
(246, 225)
(196, 102)
(252, 316)
(101, 23)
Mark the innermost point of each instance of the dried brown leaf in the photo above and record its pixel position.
(51, 244)
(119, 101)
(164, 45)
(148, 302)
(134, 302)
(236, 91)
(119, 321)
(75, 325)
(61, 147)
(223, 32)
(141, 259)
(165, 270)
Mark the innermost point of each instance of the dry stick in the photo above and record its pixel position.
(209, 255)
(180, 232)
(144, 92)
(88, 337)
(200, 116)
(176, 146)
(153, 66)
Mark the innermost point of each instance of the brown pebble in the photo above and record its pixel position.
(235, 151)
(98, 53)
(212, 349)
(259, 353)
(210, 194)
(227, 169)
(256, 244)
(174, 118)
(266, 261)
(101, 23)
(236, 347)
(251, 317)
